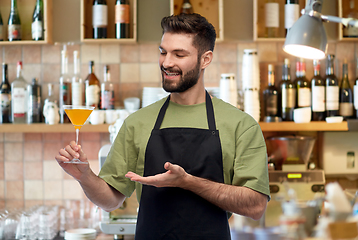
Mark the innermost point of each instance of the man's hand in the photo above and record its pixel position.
(68, 153)
(173, 177)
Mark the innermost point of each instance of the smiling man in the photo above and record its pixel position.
(191, 158)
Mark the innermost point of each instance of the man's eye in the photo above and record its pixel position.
(163, 53)
(180, 56)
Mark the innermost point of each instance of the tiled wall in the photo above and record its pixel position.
(29, 174)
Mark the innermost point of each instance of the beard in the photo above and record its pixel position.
(186, 81)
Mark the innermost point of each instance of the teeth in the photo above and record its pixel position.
(171, 74)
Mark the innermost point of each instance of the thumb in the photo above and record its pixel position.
(83, 156)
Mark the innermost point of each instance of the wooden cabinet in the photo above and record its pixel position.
(26, 9)
(86, 23)
(210, 9)
(343, 11)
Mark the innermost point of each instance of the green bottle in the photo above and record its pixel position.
(37, 26)
(14, 23)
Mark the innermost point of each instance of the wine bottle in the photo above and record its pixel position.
(37, 26)
(19, 97)
(287, 93)
(93, 88)
(99, 18)
(186, 7)
(14, 23)
(1, 29)
(318, 94)
(107, 91)
(303, 86)
(34, 109)
(355, 91)
(77, 82)
(272, 16)
(351, 31)
(5, 96)
(292, 13)
(332, 89)
(270, 94)
(122, 19)
(345, 94)
(65, 86)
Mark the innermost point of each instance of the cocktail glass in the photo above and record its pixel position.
(78, 116)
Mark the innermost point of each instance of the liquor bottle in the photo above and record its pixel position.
(37, 26)
(107, 91)
(303, 86)
(186, 7)
(34, 109)
(270, 94)
(5, 96)
(345, 94)
(272, 16)
(93, 88)
(51, 106)
(332, 89)
(65, 87)
(292, 13)
(1, 29)
(14, 23)
(77, 82)
(287, 93)
(19, 97)
(351, 31)
(355, 91)
(122, 19)
(99, 18)
(318, 94)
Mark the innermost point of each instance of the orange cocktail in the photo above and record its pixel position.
(78, 116)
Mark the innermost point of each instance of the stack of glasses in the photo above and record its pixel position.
(251, 83)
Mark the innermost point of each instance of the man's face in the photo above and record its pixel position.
(178, 61)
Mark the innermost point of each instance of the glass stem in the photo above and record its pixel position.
(77, 133)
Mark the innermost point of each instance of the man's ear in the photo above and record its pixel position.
(206, 59)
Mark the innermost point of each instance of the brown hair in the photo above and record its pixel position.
(205, 35)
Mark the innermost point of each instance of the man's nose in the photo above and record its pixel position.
(168, 61)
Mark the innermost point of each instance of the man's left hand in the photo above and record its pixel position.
(173, 177)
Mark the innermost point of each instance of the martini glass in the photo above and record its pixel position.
(78, 116)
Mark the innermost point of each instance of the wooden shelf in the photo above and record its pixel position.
(86, 23)
(45, 128)
(320, 126)
(26, 9)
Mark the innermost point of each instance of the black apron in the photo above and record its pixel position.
(174, 213)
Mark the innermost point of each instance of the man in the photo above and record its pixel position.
(190, 157)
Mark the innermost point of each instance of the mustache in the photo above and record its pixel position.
(171, 70)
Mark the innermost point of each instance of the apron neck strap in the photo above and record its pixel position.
(209, 113)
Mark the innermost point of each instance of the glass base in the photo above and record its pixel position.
(76, 161)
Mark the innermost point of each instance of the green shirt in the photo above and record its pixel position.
(243, 145)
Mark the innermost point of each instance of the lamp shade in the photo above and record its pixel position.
(307, 38)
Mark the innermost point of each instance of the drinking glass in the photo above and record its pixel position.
(78, 116)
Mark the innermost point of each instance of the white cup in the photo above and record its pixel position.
(131, 104)
(97, 117)
(302, 115)
(122, 113)
(111, 116)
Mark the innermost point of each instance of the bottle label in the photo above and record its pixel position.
(122, 13)
(292, 13)
(332, 98)
(350, 31)
(5, 102)
(318, 99)
(99, 16)
(36, 29)
(304, 97)
(14, 32)
(107, 100)
(34, 105)
(19, 102)
(92, 95)
(346, 109)
(272, 15)
(1, 33)
(271, 105)
(77, 90)
(355, 96)
(288, 97)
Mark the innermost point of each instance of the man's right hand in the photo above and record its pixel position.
(68, 153)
